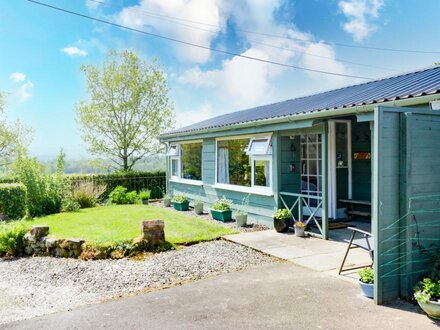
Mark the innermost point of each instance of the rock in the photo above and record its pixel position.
(153, 232)
(51, 242)
(28, 250)
(39, 231)
(29, 238)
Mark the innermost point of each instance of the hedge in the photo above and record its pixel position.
(13, 200)
(154, 181)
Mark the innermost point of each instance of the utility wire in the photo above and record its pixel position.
(296, 39)
(195, 45)
(264, 44)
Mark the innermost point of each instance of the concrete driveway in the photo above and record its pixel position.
(275, 296)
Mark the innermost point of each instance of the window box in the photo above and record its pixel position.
(181, 206)
(223, 216)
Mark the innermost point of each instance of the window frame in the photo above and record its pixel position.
(178, 157)
(254, 189)
(267, 148)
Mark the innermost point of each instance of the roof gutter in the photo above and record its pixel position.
(310, 115)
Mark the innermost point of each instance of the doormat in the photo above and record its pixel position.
(334, 225)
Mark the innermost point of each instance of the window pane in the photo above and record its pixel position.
(174, 167)
(262, 173)
(191, 157)
(233, 164)
(173, 151)
(341, 145)
(258, 147)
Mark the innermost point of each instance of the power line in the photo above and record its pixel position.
(195, 45)
(264, 44)
(296, 39)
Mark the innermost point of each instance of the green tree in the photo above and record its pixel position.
(127, 109)
(13, 135)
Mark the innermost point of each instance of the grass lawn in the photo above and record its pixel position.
(122, 222)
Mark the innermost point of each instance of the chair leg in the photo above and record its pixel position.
(346, 253)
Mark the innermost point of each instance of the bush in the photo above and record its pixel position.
(145, 195)
(11, 238)
(427, 290)
(87, 193)
(281, 214)
(222, 204)
(69, 205)
(181, 198)
(13, 200)
(119, 195)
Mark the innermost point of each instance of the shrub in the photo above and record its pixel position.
(180, 198)
(69, 205)
(87, 193)
(281, 214)
(222, 204)
(145, 195)
(13, 200)
(427, 290)
(11, 238)
(119, 195)
(366, 275)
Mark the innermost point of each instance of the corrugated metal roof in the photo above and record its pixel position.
(413, 84)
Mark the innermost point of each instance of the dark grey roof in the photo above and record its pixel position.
(413, 84)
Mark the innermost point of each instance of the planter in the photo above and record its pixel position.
(241, 220)
(223, 216)
(367, 289)
(432, 308)
(145, 201)
(198, 208)
(181, 206)
(167, 202)
(281, 225)
(300, 232)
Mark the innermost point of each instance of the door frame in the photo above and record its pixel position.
(332, 195)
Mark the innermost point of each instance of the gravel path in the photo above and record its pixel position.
(36, 286)
(207, 216)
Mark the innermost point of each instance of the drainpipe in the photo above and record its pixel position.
(167, 166)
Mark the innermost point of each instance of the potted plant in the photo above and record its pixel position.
(221, 210)
(198, 206)
(427, 294)
(144, 196)
(181, 202)
(167, 200)
(366, 281)
(281, 220)
(241, 214)
(300, 228)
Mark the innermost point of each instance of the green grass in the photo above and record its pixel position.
(122, 222)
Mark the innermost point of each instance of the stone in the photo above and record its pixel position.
(51, 242)
(152, 225)
(28, 250)
(153, 232)
(29, 239)
(39, 231)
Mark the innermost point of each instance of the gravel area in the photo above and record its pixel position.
(207, 216)
(31, 287)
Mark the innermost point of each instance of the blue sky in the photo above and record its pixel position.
(42, 50)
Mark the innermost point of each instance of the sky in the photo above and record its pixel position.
(42, 49)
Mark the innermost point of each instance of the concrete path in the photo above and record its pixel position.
(276, 296)
(314, 253)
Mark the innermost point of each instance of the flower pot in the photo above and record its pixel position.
(145, 201)
(221, 215)
(300, 231)
(198, 208)
(432, 308)
(167, 202)
(181, 206)
(367, 289)
(281, 225)
(241, 220)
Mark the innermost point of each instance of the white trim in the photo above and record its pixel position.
(187, 181)
(266, 148)
(249, 190)
(244, 136)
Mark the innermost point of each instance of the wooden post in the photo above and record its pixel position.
(324, 164)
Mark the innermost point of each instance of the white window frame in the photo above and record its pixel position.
(267, 148)
(178, 157)
(254, 189)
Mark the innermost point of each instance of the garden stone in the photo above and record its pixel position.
(153, 232)
(51, 242)
(28, 250)
(39, 231)
(29, 238)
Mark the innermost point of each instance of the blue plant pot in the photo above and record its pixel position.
(367, 289)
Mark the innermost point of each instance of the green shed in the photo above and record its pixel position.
(376, 143)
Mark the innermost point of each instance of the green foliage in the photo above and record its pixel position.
(222, 204)
(127, 109)
(281, 214)
(13, 200)
(427, 290)
(180, 198)
(11, 238)
(243, 208)
(366, 275)
(119, 195)
(69, 205)
(88, 193)
(44, 192)
(145, 194)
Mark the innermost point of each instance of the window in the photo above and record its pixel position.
(245, 162)
(311, 171)
(191, 158)
(186, 161)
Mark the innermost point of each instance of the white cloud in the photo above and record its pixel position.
(93, 4)
(17, 77)
(188, 117)
(24, 92)
(74, 51)
(359, 13)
